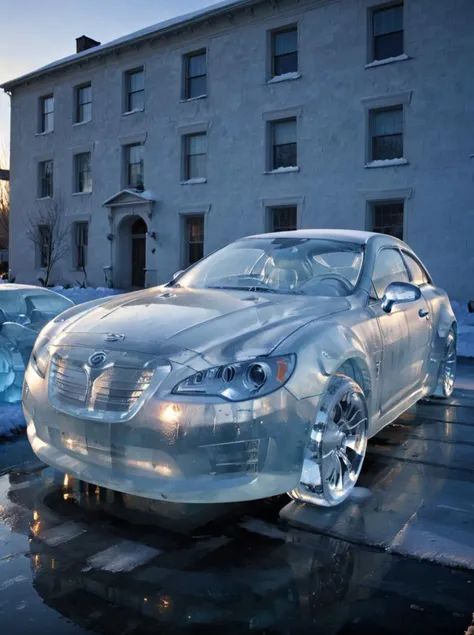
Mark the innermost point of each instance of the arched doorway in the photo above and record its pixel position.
(138, 264)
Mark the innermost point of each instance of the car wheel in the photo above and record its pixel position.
(447, 369)
(335, 452)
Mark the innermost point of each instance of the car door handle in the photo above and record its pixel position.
(422, 313)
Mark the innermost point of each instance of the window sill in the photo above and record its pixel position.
(194, 182)
(389, 60)
(287, 77)
(185, 101)
(44, 198)
(81, 123)
(132, 112)
(82, 193)
(386, 163)
(43, 134)
(290, 168)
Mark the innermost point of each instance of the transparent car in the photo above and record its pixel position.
(262, 369)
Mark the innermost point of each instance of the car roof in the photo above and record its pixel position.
(344, 235)
(22, 287)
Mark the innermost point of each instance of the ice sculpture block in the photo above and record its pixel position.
(24, 310)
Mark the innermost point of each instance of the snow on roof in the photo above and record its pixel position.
(156, 29)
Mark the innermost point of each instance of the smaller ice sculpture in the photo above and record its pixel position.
(24, 311)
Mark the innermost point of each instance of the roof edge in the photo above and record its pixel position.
(167, 26)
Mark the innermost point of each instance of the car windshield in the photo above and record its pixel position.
(303, 266)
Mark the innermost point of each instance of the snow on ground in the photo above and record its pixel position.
(12, 420)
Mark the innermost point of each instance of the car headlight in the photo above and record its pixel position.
(242, 380)
(41, 350)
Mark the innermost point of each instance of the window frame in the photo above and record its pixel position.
(43, 114)
(128, 92)
(372, 12)
(80, 249)
(273, 56)
(271, 216)
(411, 255)
(372, 116)
(127, 165)
(187, 77)
(186, 173)
(76, 159)
(186, 219)
(42, 180)
(271, 155)
(78, 104)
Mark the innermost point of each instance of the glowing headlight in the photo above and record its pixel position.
(242, 380)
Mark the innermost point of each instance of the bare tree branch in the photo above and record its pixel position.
(49, 231)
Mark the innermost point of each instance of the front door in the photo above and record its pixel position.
(139, 230)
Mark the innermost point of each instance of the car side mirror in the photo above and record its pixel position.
(176, 274)
(399, 293)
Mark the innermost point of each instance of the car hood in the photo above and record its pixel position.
(215, 324)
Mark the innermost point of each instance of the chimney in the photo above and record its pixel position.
(84, 43)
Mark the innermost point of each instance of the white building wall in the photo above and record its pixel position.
(332, 187)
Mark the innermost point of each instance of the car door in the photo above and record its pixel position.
(404, 333)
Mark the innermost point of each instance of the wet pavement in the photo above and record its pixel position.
(396, 558)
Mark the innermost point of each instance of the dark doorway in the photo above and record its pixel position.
(139, 230)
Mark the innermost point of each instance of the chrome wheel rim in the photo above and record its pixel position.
(449, 365)
(344, 442)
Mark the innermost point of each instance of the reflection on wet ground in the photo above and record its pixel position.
(81, 559)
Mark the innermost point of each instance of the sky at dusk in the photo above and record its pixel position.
(36, 33)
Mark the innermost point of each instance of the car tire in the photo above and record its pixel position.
(336, 449)
(447, 368)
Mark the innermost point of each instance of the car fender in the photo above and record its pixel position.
(321, 350)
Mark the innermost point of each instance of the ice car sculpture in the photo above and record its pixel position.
(262, 369)
(24, 310)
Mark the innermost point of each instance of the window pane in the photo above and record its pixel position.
(135, 153)
(285, 42)
(85, 112)
(136, 101)
(387, 122)
(286, 64)
(389, 267)
(387, 147)
(196, 65)
(284, 132)
(195, 239)
(283, 219)
(386, 46)
(48, 104)
(388, 20)
(137, 81)
(285, 156)
(418, 274)
(197, 87)
(85, 94)
(197, 144)
(197, 166)
(388, 219)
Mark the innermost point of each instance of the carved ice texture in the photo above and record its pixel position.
(23, 313)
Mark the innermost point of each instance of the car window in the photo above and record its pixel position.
(389, 267)
(12, 304)
(418, 274)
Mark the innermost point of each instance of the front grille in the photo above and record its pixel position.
(114, 391)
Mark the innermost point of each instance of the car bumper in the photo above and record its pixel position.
(181, 451)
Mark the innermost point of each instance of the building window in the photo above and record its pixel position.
(195, 75)
(135, 90)
(387, 32)
(83, 172)
(83, 103)
(134, 166)
(194, 239)
(284, 147)
(44, 245)
(195, 150)
(283, 219)
(46, 169)
(81, 240)
(46, 113)
(284, 51)
(387, 218)
(387, 134)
